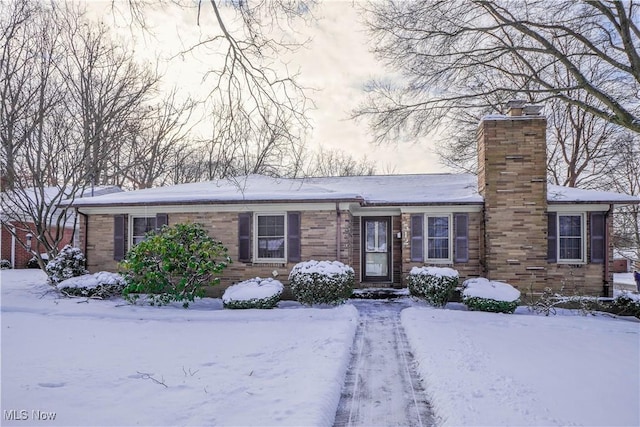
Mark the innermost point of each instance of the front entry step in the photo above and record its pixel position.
(379, 293)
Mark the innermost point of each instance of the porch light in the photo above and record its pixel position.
(29, 238)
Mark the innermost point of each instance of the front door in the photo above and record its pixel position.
(376, 245)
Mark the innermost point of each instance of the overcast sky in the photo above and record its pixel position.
(336, 62)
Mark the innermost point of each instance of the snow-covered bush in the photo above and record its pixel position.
(33, 261)
(253, 293)
(485, 295)
(175, 264)
(433, 284)
(5, 264)
(627, 304)
(321, 282)
(99, 285)
(69, 262)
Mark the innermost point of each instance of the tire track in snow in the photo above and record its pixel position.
(382, 387)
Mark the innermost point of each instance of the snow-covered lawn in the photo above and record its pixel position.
(108, 363)
(484, 369)
(97, 363)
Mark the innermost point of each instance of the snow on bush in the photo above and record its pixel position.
(486, 295)
(321, 282)
(5, 264)
(99, 285)
(433, 284)
(627, 304)
(253, 293)
(69, 262)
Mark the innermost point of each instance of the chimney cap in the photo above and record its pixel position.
(532, 110)
(516, 103)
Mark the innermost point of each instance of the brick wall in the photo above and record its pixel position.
(22, 257)
(472, 268)
(318, 232)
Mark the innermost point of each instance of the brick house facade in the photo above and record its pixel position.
(505, 224)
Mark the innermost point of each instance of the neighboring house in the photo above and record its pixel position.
(19, 226)
(505, 224)
(625, 260)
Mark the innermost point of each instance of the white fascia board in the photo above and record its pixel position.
(199, 208)
(445, 209)
(578, 208)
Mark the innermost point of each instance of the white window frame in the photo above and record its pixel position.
(449, 217)
(258, 260)
(131, 219)
(583, 238)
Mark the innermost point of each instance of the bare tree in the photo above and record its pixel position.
(69, 98)
(155, 140)
(106, 89)
(251, 85)
(625, 178)
(338, 163)
(449, 55)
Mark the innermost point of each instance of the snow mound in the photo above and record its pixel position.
(92, 281)
(253, 289)
(325, 268)
(434, 271)
(484, 288)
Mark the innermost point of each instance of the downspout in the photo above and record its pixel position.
(607, 239)
(13, 246)
(338, 231)
(85, 243)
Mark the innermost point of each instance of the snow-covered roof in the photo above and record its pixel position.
(388, 189)
(367, 190)
(559, 194)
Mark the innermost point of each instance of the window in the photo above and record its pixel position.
(271, 237)
(432, 238)
(570, 239)
(140, 227)
(438, 238)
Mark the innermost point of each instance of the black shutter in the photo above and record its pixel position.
(462, 237)
(552, 237)
(161, 219)
(293, 237)
(244, 237)
(118, 237)
(598, 228)
(417, 239)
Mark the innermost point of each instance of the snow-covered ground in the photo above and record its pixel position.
(108, 363)
(495, 369)
(98, 363)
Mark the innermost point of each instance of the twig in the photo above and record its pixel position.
(146, 376)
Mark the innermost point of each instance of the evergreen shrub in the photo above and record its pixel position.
(175, 264)
(70, 262)
(253, 293)
(627, 304)
(321, 282)
(435, 285)
(101, 285)
(481, 294)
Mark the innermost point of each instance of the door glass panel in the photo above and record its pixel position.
(371, 236)
(376, 264)
(382, 236)
(376, 255)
